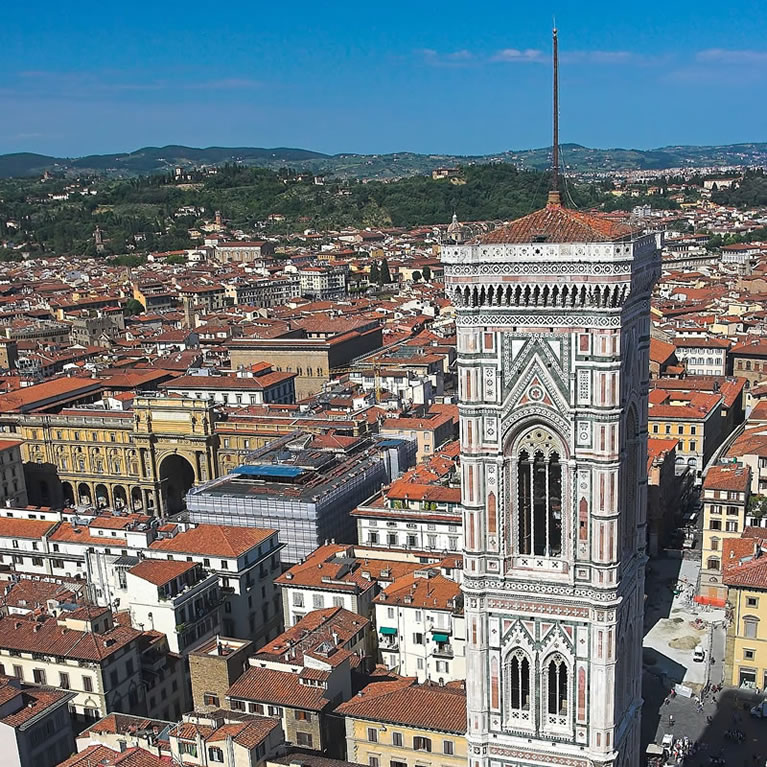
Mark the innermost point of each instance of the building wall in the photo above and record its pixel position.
(103, 698)
(185, 619)
(297, 601)
(749, 660)
(382, 752)
(751, 367)
(215, 674)
(704, 361)
(724, 516)
(410, 533)
(13, 488)
(312, 361)
(413, 651)
(114, 457)
(311, 365)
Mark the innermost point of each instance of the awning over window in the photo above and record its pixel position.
(388, 630)
(439, 637)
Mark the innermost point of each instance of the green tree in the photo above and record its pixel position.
(417, 276)
(385, 277)
(757, 506)
(427, 273)
(132, 306)
(375, 274)
(176, 258)
(128, 260)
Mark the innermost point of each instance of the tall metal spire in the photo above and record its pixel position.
(554, 193)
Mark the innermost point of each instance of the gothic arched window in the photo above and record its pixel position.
(557, 686)
(518, 681)
(539, 482)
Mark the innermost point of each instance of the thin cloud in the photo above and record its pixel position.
(729, 56)
(516, 55)
(723, 66)
(458, 58)
(225, 84)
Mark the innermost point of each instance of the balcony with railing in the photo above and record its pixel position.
(443, 651)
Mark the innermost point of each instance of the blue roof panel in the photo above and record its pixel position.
(269, 470)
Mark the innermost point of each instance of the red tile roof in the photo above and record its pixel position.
(215, 540)
(322, 569)
(54, 390)
(281, 688)
(160, 571)
(661, 351)
(435, 592)
(332, 627)
(70, 533)
(659, 447)
(744, 562)
(48, 637)
(731, 476)
(24, 528)
(35, 702)
(414, 491)
(555, 223)
(425, 705)
(121, 723)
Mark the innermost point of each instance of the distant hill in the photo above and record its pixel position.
(381, 166)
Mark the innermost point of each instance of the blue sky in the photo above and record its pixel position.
(459, 77)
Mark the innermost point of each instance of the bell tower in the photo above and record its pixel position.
(553, 333)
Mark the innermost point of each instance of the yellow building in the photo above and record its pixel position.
(745, 574)
(725, 494)
(693, 418)
(397, 723)
(76, 450)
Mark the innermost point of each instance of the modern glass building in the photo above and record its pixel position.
(304, 485)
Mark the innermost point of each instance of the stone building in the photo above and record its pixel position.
(398, 723)
(214, 666)
(13, 488)
(552, 320)
(76, 450)
(314, 354)
(725, 495)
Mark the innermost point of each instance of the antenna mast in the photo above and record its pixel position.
(554, 195)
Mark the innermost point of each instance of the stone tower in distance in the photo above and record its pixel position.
(553, 333)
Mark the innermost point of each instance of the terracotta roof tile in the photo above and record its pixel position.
(329, 567)
(435, 592)
(280, 688)
(731, 476)
(744, 562)
(160, 571)
(428, 706)
(215, 540)
(24, 528)
(49, 637)
(333, 627)
(555, 223)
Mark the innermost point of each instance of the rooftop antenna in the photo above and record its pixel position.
(554, 192)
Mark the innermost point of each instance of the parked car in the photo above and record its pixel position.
(699, 654)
